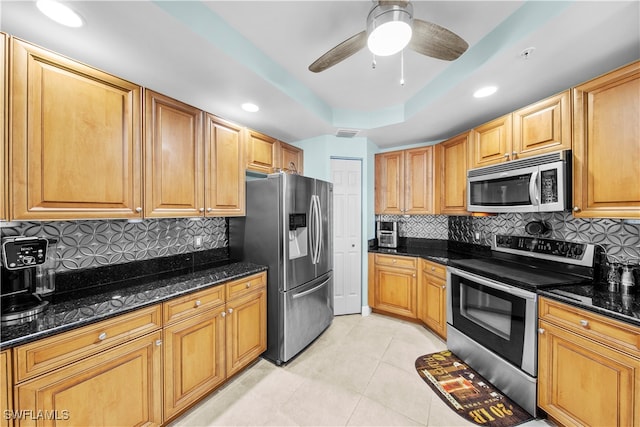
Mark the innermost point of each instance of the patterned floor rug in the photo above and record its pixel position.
(467, 393)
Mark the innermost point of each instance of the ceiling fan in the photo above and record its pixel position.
(390, 28)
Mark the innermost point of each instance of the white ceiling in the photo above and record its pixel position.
(218, 54)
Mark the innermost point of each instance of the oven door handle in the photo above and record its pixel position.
(492, 283)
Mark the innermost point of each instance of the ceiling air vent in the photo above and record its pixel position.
(347, 133)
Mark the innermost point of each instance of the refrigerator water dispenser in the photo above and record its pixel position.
(297, 235)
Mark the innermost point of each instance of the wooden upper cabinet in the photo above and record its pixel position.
(291, 158)
(75, 139)
(224, 167)
(606, 145)
(451, 164)
(491, 142)
(262, 152)
(543, 127)
(174, 180)
(404, 182)
(3, 126)
(389, 186)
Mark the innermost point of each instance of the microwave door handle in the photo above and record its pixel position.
(533, 188)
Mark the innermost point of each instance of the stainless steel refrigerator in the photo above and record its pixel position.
(288, 227)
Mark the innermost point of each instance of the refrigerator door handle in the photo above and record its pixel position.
(315, 256)
(312, 231)
(320, 228)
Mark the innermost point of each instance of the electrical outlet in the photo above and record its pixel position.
(478, 236)
(197, 242)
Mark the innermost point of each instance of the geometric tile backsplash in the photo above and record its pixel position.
(95, 243)
(621, 240)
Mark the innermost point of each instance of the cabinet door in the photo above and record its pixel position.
(262, 152)
(451, 175)
(174, 180)
(76, 139)
(6, 388)
(224, 168)
(3, 126)
(389, 183)
(418, 181)
(246, 330)
(491, 142)
(396, 291)
(291, 158)
(90, 392)
(436, 305)
(581, 382)
(543, 127)
(606, 145)
(193, 359)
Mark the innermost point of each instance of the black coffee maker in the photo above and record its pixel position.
(24, 281)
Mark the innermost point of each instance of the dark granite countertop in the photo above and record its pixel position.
(589, 295)
(71, 313)
(597, 299)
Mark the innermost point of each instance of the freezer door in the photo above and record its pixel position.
(324, 193)
(297, 229)
(308, 311)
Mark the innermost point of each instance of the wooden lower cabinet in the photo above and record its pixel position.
(246, 329)
(194, 353)
(581, 379)
(432, 297)
(395, 285)
(6, 388)
(118, 387)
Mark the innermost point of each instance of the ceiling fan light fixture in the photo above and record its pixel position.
(389, 28)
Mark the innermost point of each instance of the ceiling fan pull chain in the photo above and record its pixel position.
(402, 67)
(373, 62)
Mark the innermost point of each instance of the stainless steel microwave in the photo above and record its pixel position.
(534, 184)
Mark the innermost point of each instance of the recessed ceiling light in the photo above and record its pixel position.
(485, 91)
(250, 107)
(60, 13)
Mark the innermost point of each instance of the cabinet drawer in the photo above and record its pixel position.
(188, 305)
(246, 285)
(396, 261)
(605, 330)
(50, 353)
(434, 269)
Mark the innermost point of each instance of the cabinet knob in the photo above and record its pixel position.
(158, 343)
(443, 287)
(230, 310)
(102, 336)
(414, 275)
(198, 303)
(584, 323)
(223, 314)
(540, 331)
(514, 154)
(506, 155)
(201, 209)
(138, 209)
(433, 269)
(393, 261)
(248, 285)
(209, 209)
(576, 209)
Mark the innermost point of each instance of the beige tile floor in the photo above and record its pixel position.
(359, 372)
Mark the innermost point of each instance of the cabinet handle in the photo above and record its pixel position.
(201, 209)
(414, 275)
(209, 209)
(576, 209)
(584, 323)
(248, 285)
(393, 261)
(433, 269)
(540, 331)
(102, 336)
(198, 303)
(223, 314)
(230, 310)
(514, 154)
(506, 155)
(138, 209)
(158, 343)
(443, 287)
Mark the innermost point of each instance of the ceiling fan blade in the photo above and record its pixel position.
(433, 40)
(393, 3)
(340, 52)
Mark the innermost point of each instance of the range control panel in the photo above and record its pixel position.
(23, 252)
(538, 247)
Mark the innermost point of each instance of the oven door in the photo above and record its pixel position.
(500, 317)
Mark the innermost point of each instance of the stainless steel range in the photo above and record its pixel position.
(493, 307)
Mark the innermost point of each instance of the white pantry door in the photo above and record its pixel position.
(346, 176)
